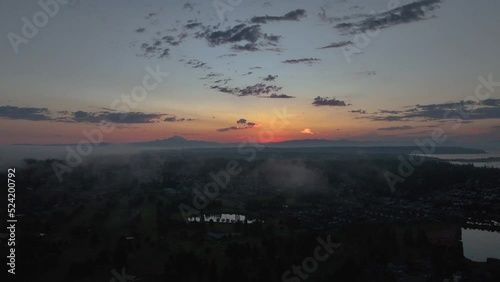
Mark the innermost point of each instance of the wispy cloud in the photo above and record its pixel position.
(278, 96)
(251, 34)
(176, 119)
(241, 124)
(360, 111)
(253, 90)
(132, 117)
(44, 114)
(304, 61)
(154, 50)
(337, 45)
(322, 15)
(396, 128)
(250, 47)
(291, 16)
(270, 78)
(470, 110)
(25, 113)
(307, 131)
(416, 11)
(334, 102)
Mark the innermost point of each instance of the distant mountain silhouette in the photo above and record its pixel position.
(317, 143)
(181, 142)
(342, 145)
(178, 142)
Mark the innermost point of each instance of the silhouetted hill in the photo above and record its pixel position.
(310, 145)
(178, 142)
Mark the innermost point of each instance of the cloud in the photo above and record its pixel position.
(463, 110)
(213, 75)
(225, 80)
(241, 37)
(227, 55)
(193, 25)
(386, 118)
(307, 131)
(170, 119)
(305, 60)
(358, 111)
(270, 78)
(196, 64)
(291, 16)
(416, 11)
(250, 47)
(188, 6)
(155, 47)
(229, 128)
(337, 45)
(396, 128)
(173, 40)
(240, 33)
(330, 20)
(175, 119)
(154, 50)
(114, 117)
(393, 112)
(43, 114)
(241, 124)
(320, 101)
(253, 90)
(278, 96)
(24, 113)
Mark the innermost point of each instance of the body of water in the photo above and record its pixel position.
(465, 156)
(478, 164)
(478, 160)
(480, 244)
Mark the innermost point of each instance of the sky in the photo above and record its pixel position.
(344, 69)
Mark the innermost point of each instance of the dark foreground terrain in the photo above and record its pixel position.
(276, 217)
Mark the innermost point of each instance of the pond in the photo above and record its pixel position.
(480, 244)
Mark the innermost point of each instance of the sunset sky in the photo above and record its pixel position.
(230, 67)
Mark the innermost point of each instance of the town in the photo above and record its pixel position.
(125, 212)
